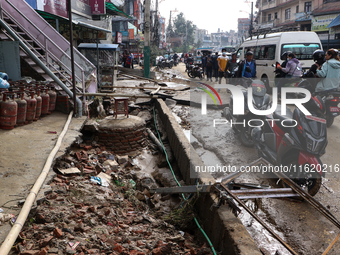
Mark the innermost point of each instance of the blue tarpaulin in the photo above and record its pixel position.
(335, 22)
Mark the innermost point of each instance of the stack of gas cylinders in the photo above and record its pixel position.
(22, 103)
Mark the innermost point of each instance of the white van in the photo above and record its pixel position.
(268, 49)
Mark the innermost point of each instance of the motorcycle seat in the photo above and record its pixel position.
(287, 119)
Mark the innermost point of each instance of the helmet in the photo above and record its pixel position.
(318, 55)
(190, 54)
(285, 55)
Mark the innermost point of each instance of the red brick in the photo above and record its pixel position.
(43, 251)
(46, 241)
(57, 232)
(118, 248)
(157, 251)
(31, 252)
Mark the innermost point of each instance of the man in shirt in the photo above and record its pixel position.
(248, 62)
(222, 63)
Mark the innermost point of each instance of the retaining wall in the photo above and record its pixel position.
(224, 229)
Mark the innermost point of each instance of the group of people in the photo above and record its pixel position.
(127, 59)
(218, 66)
(327, 65)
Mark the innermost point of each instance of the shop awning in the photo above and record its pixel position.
(101, 46)
(112, 7)
(80, 23)
(335, 22)
(47, 15)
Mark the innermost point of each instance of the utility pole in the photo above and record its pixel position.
(72, 59)
(251, 20)
(147, 40)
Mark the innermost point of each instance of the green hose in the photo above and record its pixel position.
(172, 171)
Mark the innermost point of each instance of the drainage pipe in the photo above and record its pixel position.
(20, 221)
(43, 67)
(117, 95)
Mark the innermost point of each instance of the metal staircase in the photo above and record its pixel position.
(41, 39)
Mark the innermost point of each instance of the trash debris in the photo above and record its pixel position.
(1, 210)
(72, 170)
(4, 217)
(100, 181)
(52, 132)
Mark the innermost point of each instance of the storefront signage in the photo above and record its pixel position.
(81, 8)
(320, 23)
(56, 7)
(119, 37)
(97, 7)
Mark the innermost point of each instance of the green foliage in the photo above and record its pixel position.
(182, 28)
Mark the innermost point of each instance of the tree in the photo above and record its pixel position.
(183, 28)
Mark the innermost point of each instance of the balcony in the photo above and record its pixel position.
(269, 24)
(266, 4)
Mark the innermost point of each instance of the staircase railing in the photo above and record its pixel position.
(48, 54)
(47, 37)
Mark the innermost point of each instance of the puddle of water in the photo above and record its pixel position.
(146, 162)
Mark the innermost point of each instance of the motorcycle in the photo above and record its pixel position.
(299, 147)
(195, 71)
(331, 98)
(261, 101)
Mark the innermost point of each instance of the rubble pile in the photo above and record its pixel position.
(97, 204)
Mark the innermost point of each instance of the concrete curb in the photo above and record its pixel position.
(225, 231)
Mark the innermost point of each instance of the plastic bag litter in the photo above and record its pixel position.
(99, 181)
(5, 217)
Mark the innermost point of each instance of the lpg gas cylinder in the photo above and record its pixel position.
(22, 108)
(8, 111)
(31, 106)
(45, 100)
(53, 98)
(39, 103)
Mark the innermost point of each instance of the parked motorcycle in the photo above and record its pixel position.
(331, 99)
(299, 147)
(261, 101)
(195, 71)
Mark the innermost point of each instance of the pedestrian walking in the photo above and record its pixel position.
(132, 58)
(215, 66)
(204, 64)
(222, 63)
(209, 67)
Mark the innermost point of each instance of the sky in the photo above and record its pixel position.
(209, 14)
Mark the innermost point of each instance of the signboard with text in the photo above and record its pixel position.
(97, 7)
(119, 37)
(320, 23)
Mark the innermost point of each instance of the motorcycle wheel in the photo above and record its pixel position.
(311, 179)
(191, 75)
(329, 119)
(245, 137)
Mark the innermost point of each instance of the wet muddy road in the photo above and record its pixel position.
(298, 223)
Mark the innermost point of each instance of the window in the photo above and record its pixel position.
(287, 13)
(297, 9)
(269, 17)
(302, 51)
(275, 15)
(239, 52)
(308, 6)
(265, 52)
